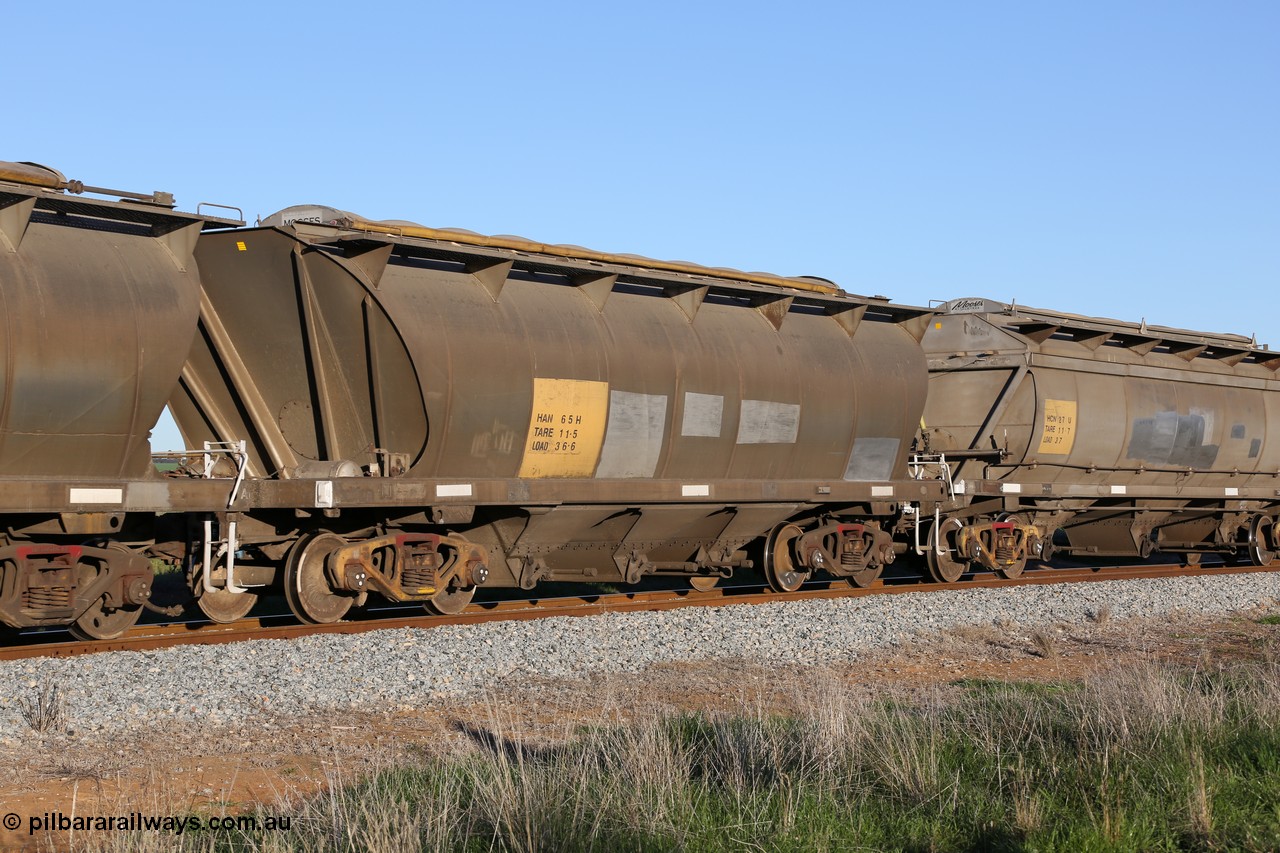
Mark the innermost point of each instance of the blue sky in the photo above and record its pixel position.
(1106, 158)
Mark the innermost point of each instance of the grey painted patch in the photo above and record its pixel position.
(703, 414)
(1208, 424)
(1237, 430)
(1255, 447)
(767, 422)
(1172, 439)
(633, 441)
(872, 459)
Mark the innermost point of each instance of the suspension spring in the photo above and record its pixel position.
(417, 576)
(853, 555)
(47, 597)
(419, 571)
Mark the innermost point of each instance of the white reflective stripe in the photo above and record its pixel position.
(97, 496)
(455, 490)
(324, 494)
(1232, 493)
(959, 486)
(1119, 490)
(1011, 488)
(701, 491)
(882, 491)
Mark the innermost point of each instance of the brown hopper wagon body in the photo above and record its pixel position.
(380, 407)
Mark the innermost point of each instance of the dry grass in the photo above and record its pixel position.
(1200, 800)
(1045, 644)
(978, 634)
(1134, 759)
(46, 710)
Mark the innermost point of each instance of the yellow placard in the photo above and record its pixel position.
(1059, 428)
(566, 428)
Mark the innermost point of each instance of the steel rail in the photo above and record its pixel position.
(149, 637)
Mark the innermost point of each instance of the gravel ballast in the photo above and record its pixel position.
(404, 668)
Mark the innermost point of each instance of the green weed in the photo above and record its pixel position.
(1148, 759)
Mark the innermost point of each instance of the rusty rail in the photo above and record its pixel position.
(147, 637)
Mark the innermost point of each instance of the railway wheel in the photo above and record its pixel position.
(862, 578)
(101, 622)
(945, 567)
(703, 583)
(779, 559)
(452, 600)
(866, 577)
(1015, 568)
(221, 606)
(306, 583)
(1261, 537)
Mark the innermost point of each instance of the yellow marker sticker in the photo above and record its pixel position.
(1059, 432)
(566, 428)
(240, 246)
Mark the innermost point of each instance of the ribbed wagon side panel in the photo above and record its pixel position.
(1101, 403)
(500, 366)
(296, 357)
(97, 313)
